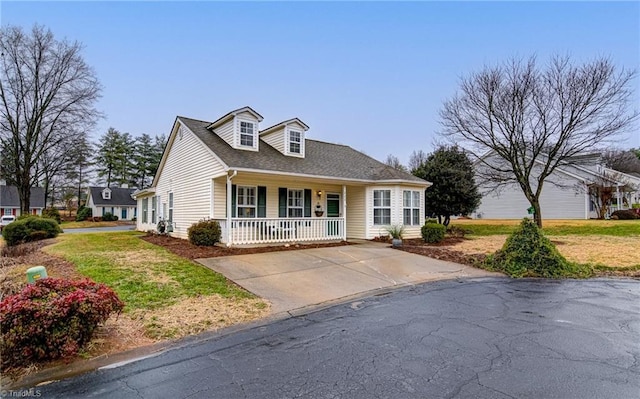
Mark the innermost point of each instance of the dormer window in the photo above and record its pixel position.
(247, 133)
(295, 142)
(106, 194)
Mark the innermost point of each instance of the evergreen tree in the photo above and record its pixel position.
(454, 191)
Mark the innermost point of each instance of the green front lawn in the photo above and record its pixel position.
(619, 228)
(143, 275)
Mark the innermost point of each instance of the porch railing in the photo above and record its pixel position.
(283, 230)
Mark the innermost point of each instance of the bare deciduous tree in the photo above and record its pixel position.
(622, 161)
(416, 159)
(521, 121)
(47, 92)
(395, 163)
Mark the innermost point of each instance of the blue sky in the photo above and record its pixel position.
(372, 75)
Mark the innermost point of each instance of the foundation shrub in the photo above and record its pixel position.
(433, 232)
(205, 233)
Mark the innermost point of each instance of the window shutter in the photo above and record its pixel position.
(262, 202)
(307, 203)
(233, 200)
(282, 202)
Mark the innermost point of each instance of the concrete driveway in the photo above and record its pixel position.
(297, 279)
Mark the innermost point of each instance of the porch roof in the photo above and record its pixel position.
(321, 159)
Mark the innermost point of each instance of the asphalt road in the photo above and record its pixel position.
(489, 338)
(99, 229)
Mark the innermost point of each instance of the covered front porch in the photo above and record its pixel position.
(244, 231)
(255, 208)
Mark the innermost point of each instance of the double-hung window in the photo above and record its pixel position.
(171, 206)
(295, 203)
(154, 200)
(295, 142)
(145, 209)
(247, 134)
(411, 208)
(246, 202)
(381, 207)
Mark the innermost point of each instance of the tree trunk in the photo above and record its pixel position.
(537, 216)
(46, 191)
(24, 191)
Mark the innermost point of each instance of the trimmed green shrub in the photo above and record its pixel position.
(528, 253)
(433, 232)
(51, 213)
(83, 214)
(109, 217)
(53, 318)
(627, 214)
(205, 233)
(29, 229)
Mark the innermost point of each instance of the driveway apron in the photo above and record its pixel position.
(297, 279)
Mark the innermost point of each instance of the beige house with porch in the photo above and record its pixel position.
(275, 185)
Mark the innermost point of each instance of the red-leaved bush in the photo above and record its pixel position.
(53, 318)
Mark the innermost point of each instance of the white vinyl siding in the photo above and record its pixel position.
(188, 170)
(356, 212)
(275, 139)
(226, 132)
(510, 203)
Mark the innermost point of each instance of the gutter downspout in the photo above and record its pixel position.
(229, 178)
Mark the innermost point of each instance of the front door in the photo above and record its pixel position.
(124, 214)
(333, 211)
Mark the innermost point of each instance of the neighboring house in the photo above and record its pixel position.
(115, 200)
(275, 185)
(10, 201)
(565, 195)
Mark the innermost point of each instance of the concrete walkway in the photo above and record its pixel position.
(297, 279)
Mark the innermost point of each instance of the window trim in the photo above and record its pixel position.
(170, 212)
(381, 207)
(301, 207)
(154, 201)
(243, 206)
(145, 209)
(412, 207)
(290, 142)
(253, 135)
(106, 194)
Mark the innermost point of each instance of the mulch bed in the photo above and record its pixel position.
(436, 251)
(187, 250)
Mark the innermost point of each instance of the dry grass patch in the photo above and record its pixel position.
(144, 261)
(598, 250)
(194, 315)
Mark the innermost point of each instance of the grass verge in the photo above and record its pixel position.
(619, 228)
(144, 276)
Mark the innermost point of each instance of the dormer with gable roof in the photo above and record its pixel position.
(106, 194)
(239, 128)
(288, 137)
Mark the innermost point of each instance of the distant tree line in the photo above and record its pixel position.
(47, 107)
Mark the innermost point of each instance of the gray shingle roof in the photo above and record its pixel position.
(9, 197)
(321, 159)
(119, 196)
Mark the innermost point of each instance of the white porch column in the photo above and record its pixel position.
(587, 202)
(618, 199)
(229, 178)
(344, 212)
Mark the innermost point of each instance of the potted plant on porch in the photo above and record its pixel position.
(319, 211)
(396, 231)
